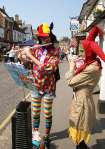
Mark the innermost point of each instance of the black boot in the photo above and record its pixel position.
(82, 145)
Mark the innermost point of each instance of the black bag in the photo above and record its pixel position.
(57, 74)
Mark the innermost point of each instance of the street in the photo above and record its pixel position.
(59, 134)
(10, 93)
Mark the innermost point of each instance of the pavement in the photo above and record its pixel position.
(59, 134)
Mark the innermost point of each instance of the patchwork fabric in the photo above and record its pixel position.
(44, 74)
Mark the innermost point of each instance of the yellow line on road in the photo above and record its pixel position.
(7, 120)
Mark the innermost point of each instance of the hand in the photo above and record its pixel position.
(72, 65)
(29, 54)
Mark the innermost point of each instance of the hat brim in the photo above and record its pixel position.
(42, 34)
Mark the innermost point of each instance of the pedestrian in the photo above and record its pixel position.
(45, 63)
(12, 54)
(83, 80)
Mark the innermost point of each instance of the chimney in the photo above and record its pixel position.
(17, 18)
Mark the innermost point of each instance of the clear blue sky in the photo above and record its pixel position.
(36, 12)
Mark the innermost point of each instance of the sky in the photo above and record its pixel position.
(36, 12)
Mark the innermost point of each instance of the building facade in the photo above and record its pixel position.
(12, 30)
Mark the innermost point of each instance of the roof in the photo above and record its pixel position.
(4, 12)
(6, 15)
(86, 9)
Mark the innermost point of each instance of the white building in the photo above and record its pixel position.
(28, 32)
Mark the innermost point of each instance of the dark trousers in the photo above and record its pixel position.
(11, 59)
(82, 145)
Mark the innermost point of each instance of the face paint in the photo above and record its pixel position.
(45, 40)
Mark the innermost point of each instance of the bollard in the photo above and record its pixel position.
(21, 126)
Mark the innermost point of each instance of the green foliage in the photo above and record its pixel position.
(81, 50)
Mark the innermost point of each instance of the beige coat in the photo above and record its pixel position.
(82, 109)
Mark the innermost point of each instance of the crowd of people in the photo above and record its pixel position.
(83, 75)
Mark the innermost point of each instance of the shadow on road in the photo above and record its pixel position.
(59, 135)
(100, 144)
(99, 126)
(53, 146)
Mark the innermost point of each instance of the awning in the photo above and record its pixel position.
(28, 43)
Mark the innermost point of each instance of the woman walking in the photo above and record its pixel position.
(83, 80)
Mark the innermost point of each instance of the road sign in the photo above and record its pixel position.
(74, 24)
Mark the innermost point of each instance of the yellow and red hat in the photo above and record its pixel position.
(43, 30)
